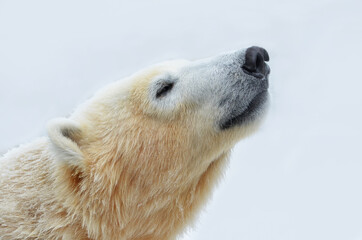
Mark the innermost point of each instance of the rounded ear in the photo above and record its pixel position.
(64, 135)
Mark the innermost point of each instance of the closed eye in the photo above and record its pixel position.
(165, 88)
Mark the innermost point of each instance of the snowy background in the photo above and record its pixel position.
(298, 178)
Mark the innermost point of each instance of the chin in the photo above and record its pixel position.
(252, 115)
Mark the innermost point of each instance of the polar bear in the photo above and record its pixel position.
(138, 159)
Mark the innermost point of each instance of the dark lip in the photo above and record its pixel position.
(260, 75)
(250, 113)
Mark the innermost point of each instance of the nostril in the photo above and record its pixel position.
(264, 53)
(254, 62)
(259, 62)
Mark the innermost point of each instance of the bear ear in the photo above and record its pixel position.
(64, 135)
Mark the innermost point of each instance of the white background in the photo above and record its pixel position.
(298, 178)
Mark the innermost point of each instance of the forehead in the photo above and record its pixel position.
(140, 81)
(173, 66)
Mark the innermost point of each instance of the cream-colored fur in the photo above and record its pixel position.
(121, 167)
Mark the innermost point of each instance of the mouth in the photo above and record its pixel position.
(251, 112)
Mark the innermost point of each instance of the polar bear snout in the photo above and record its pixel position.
(245, 90)
(254, 63)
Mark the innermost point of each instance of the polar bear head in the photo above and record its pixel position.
(155, 134)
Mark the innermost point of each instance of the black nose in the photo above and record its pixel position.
(254, 64)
